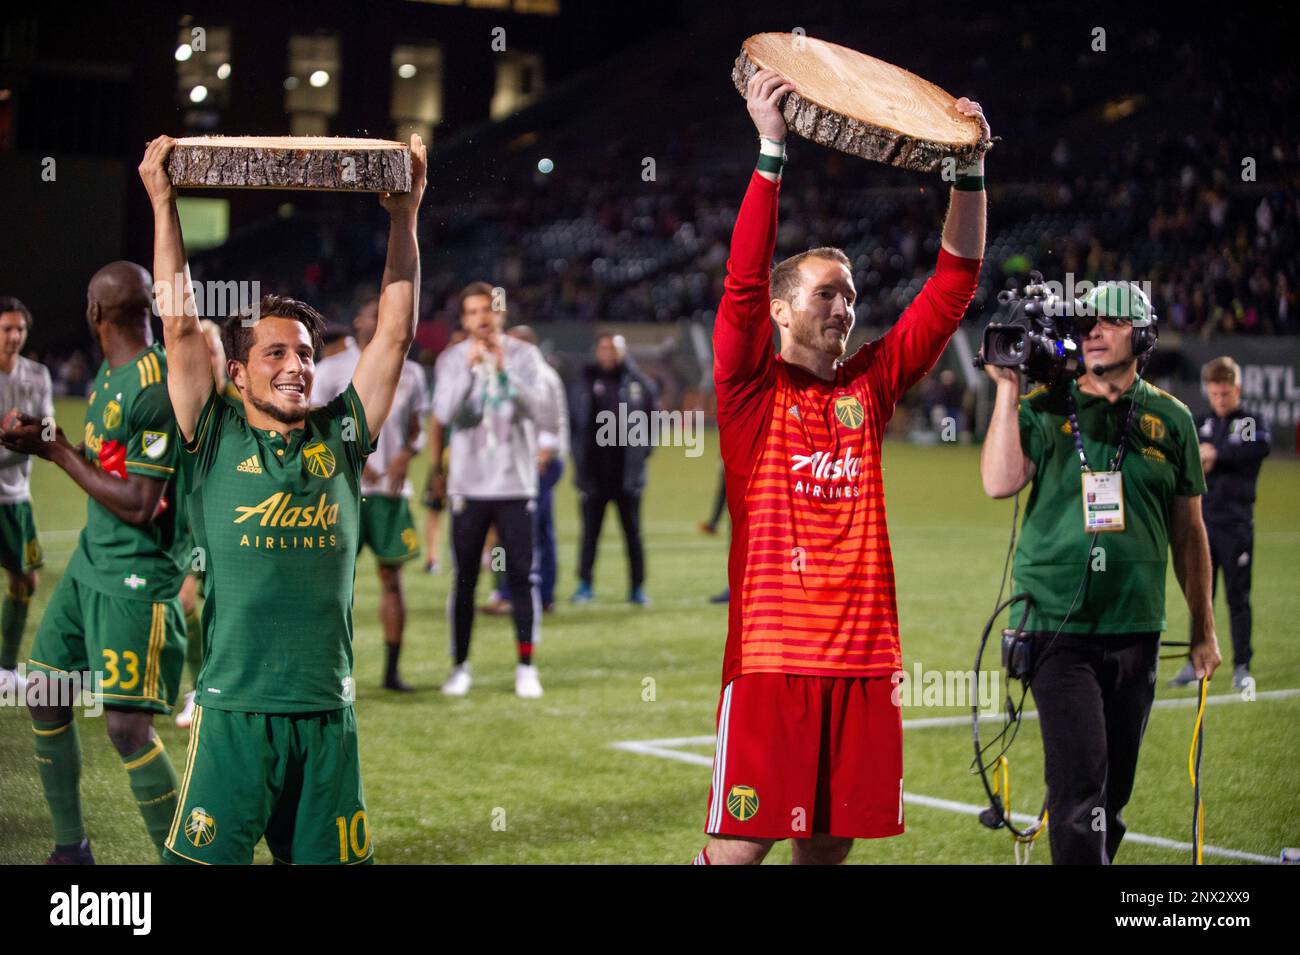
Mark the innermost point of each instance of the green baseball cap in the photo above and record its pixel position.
(1120, 300)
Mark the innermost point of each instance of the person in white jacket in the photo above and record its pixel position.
(491, 390)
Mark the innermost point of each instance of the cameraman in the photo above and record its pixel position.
(1093, 674)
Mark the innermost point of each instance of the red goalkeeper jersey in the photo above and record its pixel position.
(812, 579)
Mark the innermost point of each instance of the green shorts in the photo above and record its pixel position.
(20, 549)
(137, 646)
(294, 778)
(388, 529)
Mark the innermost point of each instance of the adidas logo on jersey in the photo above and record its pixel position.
(249, 465)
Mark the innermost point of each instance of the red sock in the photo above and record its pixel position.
(525, 654)
(702, 858)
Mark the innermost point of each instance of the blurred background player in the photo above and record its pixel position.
(491, 391)
(24, 387)
(552, 449)
(810, 738)
(276, 499)
(116, 611)
(1233, 446)
(387, 526)
(608, 472)
(192, 586)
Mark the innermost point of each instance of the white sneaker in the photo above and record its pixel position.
(186, 716)
(527, 685)
(13, 684)
(459, 682)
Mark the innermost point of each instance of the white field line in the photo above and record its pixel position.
(669, 748)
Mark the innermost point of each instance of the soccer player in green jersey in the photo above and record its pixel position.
(275, 501)
(114, 613)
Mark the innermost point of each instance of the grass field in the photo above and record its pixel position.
(439, 771)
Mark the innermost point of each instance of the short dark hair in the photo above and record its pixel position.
(472, 289)
(237, 333)
(1221, 371)
(785, 277)
(10, 304)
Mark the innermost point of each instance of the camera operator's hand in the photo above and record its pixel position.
(1000, 375)
(1205, 655)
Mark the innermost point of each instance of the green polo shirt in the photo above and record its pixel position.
(1162, 462)
(279, 519)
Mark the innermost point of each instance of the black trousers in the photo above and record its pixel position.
(1232, 550)
(1093, 694)
(629, 515)
(470, 520)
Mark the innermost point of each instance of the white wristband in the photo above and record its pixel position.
(771, 147)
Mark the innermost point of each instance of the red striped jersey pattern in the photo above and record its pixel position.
(810, 569)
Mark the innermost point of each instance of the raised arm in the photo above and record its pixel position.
(189, 366)
(963, 229)
(380, 367)
(907, 352)
(742, 334)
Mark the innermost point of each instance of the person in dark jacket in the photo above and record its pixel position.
(611, 416)
(1233, 446)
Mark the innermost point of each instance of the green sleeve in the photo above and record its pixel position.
(350, 416)
(1033, 442)
(1190, 480)
(198, 455)
(151, 440)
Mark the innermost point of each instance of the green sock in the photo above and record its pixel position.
(154, 783)
(58, 759)
(13, 618)
(193, 644)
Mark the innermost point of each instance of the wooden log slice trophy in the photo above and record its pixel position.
(862, 106)
(291, 162)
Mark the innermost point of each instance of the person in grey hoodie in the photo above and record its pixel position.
(491, 392)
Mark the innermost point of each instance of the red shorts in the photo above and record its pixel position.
(798, 756)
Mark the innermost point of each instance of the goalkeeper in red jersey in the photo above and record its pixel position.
(810, 740)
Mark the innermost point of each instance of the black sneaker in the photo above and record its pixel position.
(398, 684)
(72, 855)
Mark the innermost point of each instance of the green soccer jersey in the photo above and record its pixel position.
(1126, 586)
(130, 429)
(278, 521)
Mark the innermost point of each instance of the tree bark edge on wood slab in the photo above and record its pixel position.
(214, 166)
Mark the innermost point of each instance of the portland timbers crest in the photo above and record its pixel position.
(200, 827)
(848, 409)
(742, 802)
(318, 459)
